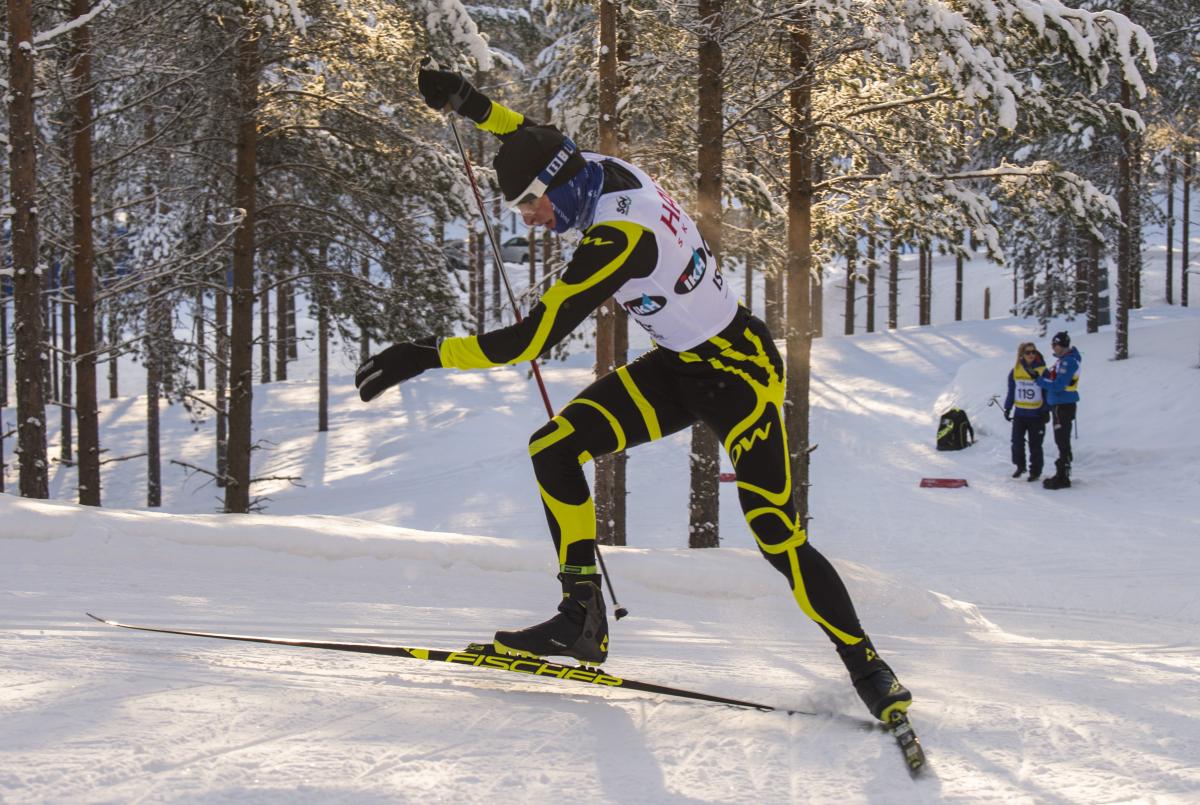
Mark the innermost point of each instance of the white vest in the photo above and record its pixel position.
(685, 300)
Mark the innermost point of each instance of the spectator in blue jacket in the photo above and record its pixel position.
(1061, 384)
(1032, 413)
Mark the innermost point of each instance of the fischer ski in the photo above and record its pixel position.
(480, 655)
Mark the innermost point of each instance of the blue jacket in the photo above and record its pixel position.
(1028, 374)
(1062, 382)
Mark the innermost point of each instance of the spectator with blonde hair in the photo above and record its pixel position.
(1032, 413)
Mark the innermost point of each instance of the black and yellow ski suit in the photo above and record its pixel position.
(732, 380)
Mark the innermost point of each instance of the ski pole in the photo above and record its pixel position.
(618, 610)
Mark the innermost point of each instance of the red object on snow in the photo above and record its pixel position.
(943, 483)
(726, 477)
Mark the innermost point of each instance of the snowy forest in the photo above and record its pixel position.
(186, 179)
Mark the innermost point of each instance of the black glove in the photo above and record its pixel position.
(439, 87)
(1008, 414)
(394, 365)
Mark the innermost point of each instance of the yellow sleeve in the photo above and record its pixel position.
(501, 120)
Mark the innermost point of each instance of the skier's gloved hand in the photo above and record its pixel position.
(1008, 414)
(441, 87)
(394, 365)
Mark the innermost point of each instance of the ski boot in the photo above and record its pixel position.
(875, 682)
(579, 630)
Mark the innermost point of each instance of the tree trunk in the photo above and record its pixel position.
(282, 272)
(851, 261)
(66, 436)
(221, 374)
(1093, 285)
(704, 498)
(4, 291)
(872, 271)
(86, 402)
(1170, 278)
(1186, 229)
(264, 326)
(958, 287)
(241, 348)
(157, 331)
(321, 299)
(364, 339)
(893, 282)
(1125, 234)
(800, 269)
(201, 369)
(114, 336)
(30, 346)
(610, 470)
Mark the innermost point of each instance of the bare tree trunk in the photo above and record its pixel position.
(893, 282)
(987, 303)
(3, 351)
(221, 375)
(609, 470)
(851, 261)
(66, 436)
(201, 369)
(704, 498)
(293, 337)
(241, 389)
(282, 272)
(86, 402)
(958, 287)
(1135, 222)
(1186, 229)
(364, 340)
(114, 336)
(774, 302)
(30, 343)
(157, 329)
(872, 271)
(321, 299)
(800, 269)
(1093, 285)
(1170, 289)
(1125, 234)
(264, 325)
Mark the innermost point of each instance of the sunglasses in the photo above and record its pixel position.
(537, 188)
(1031, 352)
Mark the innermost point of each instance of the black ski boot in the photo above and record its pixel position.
(875, 681)
(1020, 471)
(579, 630)
(1061, 478)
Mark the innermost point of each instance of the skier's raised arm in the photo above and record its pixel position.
(442, 89)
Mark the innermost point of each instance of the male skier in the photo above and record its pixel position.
(713, 362)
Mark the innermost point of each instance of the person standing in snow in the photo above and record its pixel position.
(1029, 422)
(1061, 384)
(713, 362)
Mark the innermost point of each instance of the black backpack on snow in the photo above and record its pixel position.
(955, 431)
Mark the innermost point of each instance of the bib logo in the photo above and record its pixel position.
(623, 203)
(646, 306)
(691, 276)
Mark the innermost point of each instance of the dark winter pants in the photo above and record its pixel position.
(734, 383)
(1033, 428)
(1063, 416)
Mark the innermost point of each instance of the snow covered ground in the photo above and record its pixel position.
(1051, 638)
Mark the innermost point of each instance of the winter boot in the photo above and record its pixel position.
(1061, 478)
(579, 630)
(875, 681)
(1034, 475)
(1020, 471)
